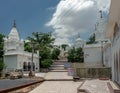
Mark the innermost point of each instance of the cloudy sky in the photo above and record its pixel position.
(73, 17)
(65, 18)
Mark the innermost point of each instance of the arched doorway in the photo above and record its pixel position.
(33, 66)
(25, 66)
(29, 66)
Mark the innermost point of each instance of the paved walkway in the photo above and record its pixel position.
(57, 87)
(57, 75)
(62, 86)
(96, 86)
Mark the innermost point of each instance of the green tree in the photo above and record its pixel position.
(45, 54)
(91, 39)
(75, 55)
(71, 55)
(64, 46)
(27, 47)
(1, 51)
(55, 53)
(2, 65)
(46, 63)
(79, 55)
(42, 42)
(42, 39)
(1, 45)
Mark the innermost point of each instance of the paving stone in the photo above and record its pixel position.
(58, 75)
(57, 87)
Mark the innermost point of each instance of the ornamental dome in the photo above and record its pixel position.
(14, 35)
(78, 39)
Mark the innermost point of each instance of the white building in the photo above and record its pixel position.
(100, 29)
(113, 33)
(79, 43)
(107, 54)
(15, 57)
(93, 53)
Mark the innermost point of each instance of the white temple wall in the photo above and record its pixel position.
(116, 59)
(10, 62)
(14, 56)
(107, 56)
(93, 55)
(28, 58)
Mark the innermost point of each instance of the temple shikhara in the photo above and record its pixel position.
(14, 56)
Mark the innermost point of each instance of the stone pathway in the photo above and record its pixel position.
(57, 87)
(57, 82)
(58, 75)
(96, 86)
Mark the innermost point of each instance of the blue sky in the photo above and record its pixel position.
(65, 18)
(30, 15)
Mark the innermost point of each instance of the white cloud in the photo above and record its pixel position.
(75, 16)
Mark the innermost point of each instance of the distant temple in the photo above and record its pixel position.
(79, 43)
(14, 55)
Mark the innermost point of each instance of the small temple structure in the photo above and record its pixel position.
(14, 55)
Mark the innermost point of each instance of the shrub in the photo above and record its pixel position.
(1, 66)
(55, 53)
(46, 63)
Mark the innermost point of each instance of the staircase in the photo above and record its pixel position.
(58, 66)
(58, 72)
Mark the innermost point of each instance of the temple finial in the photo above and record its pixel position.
(78, 36)
(14, 25)
(95, 27)
(101, 16)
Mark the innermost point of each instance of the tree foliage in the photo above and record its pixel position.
(64, 46)
(46, 63)
(42, 42)
(42, 39)
(1, 51)
(55, 53)
(45, 54)
(2, 65)
(1, 45)
(27, 47)
(75, 55)
(91, 39)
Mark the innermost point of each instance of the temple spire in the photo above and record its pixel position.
(14, 25)
(78, 35)
(101, 16)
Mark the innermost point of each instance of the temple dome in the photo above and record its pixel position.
(14, 35)
(78, 42)
(78, 39)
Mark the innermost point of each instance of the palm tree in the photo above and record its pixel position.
(42, 42)
(1, 52)
(64, 46)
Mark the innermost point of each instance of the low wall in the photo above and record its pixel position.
(93, 72)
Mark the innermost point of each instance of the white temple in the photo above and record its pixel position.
(14, 55)
(100, 29)
(79, 42)
(93, 53)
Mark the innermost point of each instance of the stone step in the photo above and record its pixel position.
(58, 79)
(58, 63)
(55, 65)
(58, 70)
